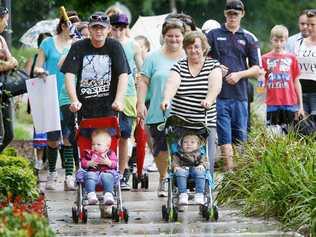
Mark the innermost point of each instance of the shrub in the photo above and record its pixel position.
(15, 161)
(14, 223)
(276, 176)
(18, 182)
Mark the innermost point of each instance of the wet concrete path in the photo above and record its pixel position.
(145, 218)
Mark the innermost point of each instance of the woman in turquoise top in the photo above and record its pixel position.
(50, 53)
(155, 72)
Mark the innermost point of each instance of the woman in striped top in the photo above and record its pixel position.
(193, 86)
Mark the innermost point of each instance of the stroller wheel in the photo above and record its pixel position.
(145, 181)
(213, 213)
(164, 213)
(115, 215)
(75, 216)
(84, 216)
(125, 212)
(175, 214)
(135, 181)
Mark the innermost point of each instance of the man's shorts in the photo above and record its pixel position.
(159, 139)
(126, 125)
(232, 117)
(280, 117)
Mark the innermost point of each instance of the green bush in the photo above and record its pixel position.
(14, 223)
(19, 182)
(18, 161)
(9, 151)
(276, 176)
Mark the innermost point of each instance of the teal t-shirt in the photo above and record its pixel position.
(156, 68)
(130, 55)
(52, 57)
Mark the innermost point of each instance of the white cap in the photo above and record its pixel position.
(210, 25)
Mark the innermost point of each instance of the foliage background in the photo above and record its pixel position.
(259, 19)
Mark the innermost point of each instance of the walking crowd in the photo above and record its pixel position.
(200, 75)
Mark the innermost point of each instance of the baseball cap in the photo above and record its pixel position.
(119, 19)
(235, 5)
(99, 18)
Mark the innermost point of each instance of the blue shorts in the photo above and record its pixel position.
(126, 125)
(232, 118)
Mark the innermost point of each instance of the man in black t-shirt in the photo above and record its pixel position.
(101, 69)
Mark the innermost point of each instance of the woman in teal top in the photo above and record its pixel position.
(50, 53)
(155, 72)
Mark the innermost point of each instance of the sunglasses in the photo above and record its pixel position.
(99, 18)
(311, 13)
(173, 21)
(4, 11)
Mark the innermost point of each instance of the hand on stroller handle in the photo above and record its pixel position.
(75, 106)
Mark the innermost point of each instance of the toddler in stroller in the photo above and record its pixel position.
(189, 160)
(101, 164)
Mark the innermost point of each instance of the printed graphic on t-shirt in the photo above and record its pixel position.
(96, 76)
(278, 72)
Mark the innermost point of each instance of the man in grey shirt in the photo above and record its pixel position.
(295, 39)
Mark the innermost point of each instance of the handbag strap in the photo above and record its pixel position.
(33, 66)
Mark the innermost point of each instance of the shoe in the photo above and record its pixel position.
(38, 164)
(108, 199)
(183, 199)
(92, 198)
(69, 183)
(51, 181)
(152, 167)
(162, 188)
(124, 185)
(199, 198)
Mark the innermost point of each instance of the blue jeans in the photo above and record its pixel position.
(92, 178)
(182, 177)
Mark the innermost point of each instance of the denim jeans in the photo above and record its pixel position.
(198, 175)
(92, 178)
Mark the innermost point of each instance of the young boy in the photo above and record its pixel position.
(189, 160)
(284, 93)
(100, 163)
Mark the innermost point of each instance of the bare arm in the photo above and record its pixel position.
(171, 88)
(298, 89)
(39, 66)
(214, 87)
(28, 66)
(118, 103)
(234, 77)
(70, 80)
(142, 87)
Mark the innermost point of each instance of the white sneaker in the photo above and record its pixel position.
(108, 199)
(199, 198)
(162, 188)
(92, 198)
(38, 164)
(51, 181)
(183, 199)
(152, 167)
(69, 183)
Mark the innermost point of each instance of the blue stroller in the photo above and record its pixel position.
(175, 128)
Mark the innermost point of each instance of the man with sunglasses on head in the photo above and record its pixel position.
(101, 68)
(238, 51)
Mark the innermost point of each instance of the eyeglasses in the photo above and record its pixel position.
(4, 11)
(232, 13)
(99, 18)
(118, 28)
(311, 13)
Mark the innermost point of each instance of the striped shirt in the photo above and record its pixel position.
(192, 90)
